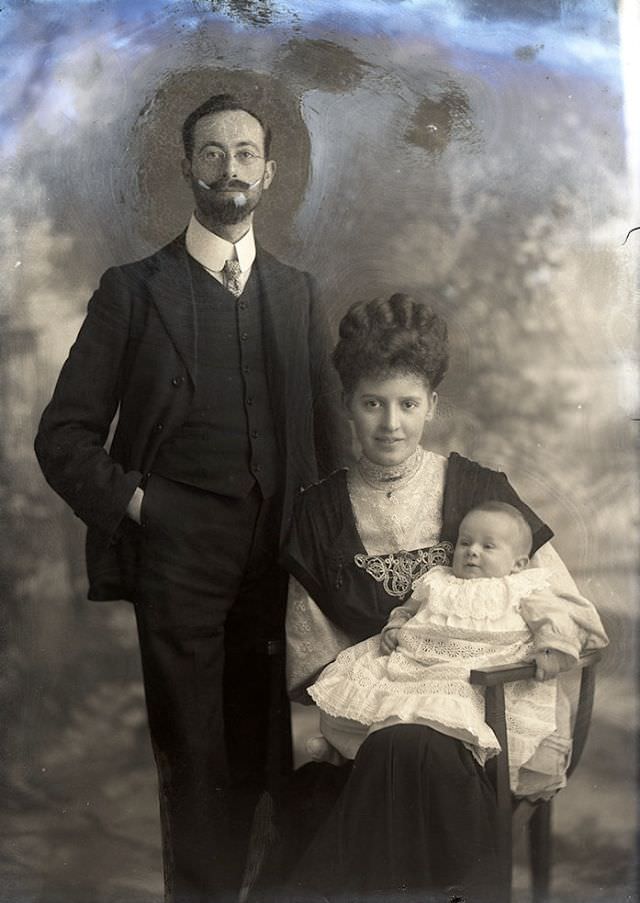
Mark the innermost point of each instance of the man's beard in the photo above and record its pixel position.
(222, 209)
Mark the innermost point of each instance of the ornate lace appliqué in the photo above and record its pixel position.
(397, 571)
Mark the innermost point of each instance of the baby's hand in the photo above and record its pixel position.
(389, 640)
(550, 662)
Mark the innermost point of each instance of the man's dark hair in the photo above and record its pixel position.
(217, 104)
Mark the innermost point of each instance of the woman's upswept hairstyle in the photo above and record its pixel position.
(399, 335)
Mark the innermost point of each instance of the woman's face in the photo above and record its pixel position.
(389, 414)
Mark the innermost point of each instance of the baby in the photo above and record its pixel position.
(488, 609)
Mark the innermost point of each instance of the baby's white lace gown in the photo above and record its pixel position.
(459, 625)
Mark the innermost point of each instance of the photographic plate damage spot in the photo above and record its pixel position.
(440, 119)
(528, 52)
(323, 64)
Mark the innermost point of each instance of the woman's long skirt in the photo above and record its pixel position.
(415, 821)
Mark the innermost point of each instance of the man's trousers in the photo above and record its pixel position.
(210, 604)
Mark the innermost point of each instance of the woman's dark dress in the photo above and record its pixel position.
(415, 816)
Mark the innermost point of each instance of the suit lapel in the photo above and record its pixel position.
(285, 324)
(283, 320)
(172, 293)
(279, 322)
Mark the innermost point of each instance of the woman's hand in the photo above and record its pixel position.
(550, 662)
(389, 640)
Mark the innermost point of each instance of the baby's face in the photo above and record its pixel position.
(487, 546)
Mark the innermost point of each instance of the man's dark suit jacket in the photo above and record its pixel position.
(136, 355)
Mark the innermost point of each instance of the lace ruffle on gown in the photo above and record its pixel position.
(459, 625)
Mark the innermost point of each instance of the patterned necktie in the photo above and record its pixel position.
(232, 273)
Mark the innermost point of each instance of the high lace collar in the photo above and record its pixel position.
(386, 477)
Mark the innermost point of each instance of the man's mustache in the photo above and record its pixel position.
(224, 185)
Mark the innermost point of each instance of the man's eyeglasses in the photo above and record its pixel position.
(214, 156)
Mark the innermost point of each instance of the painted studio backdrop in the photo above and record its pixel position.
(480, 149)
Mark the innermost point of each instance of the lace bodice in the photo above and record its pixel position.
(407, 515)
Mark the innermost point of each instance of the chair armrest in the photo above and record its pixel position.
(493, 680)
(504, 674)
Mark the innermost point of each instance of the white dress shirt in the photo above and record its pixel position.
(212, 252)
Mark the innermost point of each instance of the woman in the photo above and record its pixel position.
(416, 814)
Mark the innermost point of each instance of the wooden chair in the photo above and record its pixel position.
(514, 814)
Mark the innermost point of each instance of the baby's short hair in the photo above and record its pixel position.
(524, 532)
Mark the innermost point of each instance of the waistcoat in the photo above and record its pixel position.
(227, 443)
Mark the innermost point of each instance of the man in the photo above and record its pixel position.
(214, 354)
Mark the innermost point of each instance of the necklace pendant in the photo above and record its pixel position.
(377, 475)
